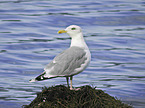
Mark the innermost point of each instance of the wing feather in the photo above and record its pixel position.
(66, 62)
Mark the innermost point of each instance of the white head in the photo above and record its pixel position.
(71, 30)
(76, 34)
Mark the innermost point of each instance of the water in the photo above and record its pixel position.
(114, 31)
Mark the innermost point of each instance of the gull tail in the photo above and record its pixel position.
(39, 78)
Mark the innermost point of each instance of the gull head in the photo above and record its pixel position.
(71, 30)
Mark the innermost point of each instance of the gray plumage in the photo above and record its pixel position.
(64, 64)
(67, 61)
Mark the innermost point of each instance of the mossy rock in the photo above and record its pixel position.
(86, 97)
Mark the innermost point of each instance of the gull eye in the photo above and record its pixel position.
(73, 28)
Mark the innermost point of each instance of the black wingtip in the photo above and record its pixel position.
(41, 77)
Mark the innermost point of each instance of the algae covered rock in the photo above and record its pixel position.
(86, 97)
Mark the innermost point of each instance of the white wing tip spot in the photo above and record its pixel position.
(32, 80)
(54, 61)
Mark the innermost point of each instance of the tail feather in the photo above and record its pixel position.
(43, 77)
(39, 78)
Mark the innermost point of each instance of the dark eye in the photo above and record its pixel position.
(73, 28)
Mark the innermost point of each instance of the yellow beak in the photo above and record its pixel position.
(61, 31)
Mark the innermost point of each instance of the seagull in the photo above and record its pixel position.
(71, 61)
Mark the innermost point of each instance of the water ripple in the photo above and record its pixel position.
(114, 31)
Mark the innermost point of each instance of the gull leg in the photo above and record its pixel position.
(67, 79)
(71, 83)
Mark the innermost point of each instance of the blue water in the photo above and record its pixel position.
(114, 31)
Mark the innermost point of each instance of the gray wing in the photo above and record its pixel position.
(66, 62)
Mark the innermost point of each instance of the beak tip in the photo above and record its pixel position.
(61, 31)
